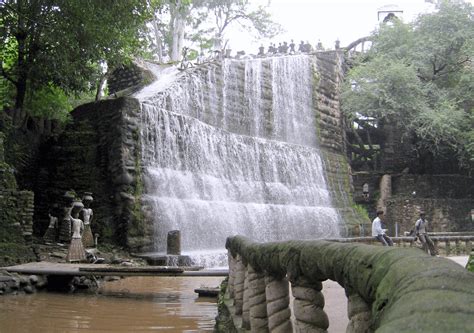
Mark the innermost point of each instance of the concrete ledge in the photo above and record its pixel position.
(45, 268)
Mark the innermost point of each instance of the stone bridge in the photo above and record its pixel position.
(387, 289)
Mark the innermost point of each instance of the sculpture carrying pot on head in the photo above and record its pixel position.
(86, 216)
(76, 251)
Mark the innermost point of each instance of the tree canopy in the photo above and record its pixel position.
(54, 46)
(54, 49)
(420, 77)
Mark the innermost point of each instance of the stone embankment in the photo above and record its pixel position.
(16, 283)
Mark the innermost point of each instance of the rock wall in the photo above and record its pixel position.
(446, 199)
(329, 75)
(98, 153)
(434, 186)
(16, 217)
(132, 76)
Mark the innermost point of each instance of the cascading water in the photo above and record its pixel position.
(232, 149)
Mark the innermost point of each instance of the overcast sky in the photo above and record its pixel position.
(325, 20)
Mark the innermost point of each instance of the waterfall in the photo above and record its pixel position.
(232, 149)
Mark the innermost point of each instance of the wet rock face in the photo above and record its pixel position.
(235, 147)
(126, 77)
(262, 136)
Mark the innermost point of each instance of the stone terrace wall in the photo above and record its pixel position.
(446, 199)
(128, 76)
(434, 186)
(118, 158)
(329, 76)
(443, 214)
(99, 153)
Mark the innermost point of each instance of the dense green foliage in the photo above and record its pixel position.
(54, 48)
(420, 77)
(470, 263)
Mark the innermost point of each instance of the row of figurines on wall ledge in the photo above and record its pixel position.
(71, 225)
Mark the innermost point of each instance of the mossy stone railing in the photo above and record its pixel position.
(388, 289)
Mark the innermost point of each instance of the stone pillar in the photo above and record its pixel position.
(26, 207)
(257, 301)
(230, 285)
(385, 189)
(468, 247)
(246, 303)
(448, 247)
(239, 286)
(173, 242)
(278, 300)
(308, 306)
(359, 315)
(457, 246)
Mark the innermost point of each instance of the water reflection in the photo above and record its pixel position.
(135, 304)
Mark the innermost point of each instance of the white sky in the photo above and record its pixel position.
(325, 20)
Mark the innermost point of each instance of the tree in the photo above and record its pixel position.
(420, 77)
(229, 12)
(205, 22)
(61, 43)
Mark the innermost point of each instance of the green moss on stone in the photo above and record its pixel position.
(470, 263)
(15, 253)
(397, 284)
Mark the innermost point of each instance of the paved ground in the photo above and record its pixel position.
(336, 301)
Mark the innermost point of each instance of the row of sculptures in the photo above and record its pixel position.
(71, 224)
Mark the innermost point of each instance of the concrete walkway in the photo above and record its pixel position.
(336, 301)
(49, 268)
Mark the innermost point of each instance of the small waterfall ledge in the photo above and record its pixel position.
(242, 147)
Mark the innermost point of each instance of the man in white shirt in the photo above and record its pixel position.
(378, 232)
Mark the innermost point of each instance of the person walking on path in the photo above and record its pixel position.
(422, 234)
(378, 232)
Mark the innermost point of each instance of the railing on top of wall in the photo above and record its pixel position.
(461, 243)
(388, 289)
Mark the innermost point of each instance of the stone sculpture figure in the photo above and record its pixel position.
(65, 219)
(51, 233)
(76, 251)
(86, 216)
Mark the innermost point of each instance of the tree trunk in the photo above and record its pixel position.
(158, 40)
(177, 23)
(22, 79)
(100, 86)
